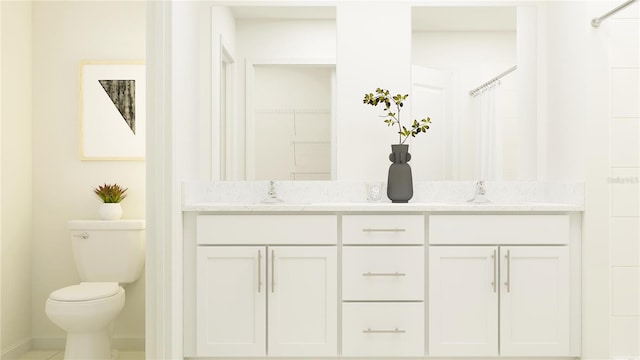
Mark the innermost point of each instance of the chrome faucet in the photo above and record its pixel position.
(480, 190)
(272, 197)
(480, 195)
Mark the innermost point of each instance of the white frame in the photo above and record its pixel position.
(103, 134)
(226, 117)
(220, 165)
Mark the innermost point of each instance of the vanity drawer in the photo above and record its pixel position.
(266, 229)
(383, 329)
(384, 273)
(498, 229)
(383, 229)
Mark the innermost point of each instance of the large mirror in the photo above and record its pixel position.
(281, 124)
(274, 105)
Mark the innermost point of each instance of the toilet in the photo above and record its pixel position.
(108, 255)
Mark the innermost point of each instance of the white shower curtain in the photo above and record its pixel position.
(487, 114)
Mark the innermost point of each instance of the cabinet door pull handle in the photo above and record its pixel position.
(495, 273)
(259, 270)
(384, 274)
(383, 230)
(508, 282)
(394, 331)
(273, 270)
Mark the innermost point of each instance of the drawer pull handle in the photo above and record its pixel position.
(273, 271)
(384, 230)
(83, 235)
(394, 331)
(259, 270)
(508, 282)
(495, 273)
(384, 274)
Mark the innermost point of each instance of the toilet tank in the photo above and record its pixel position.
(108, 250)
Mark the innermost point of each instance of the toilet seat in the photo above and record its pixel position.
(86, 291)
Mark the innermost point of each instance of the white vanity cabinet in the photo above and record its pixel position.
(463, 304)
(506, 300)
(302, 297)
(364, 284)
(383, 285)
(231, 301)
(269, 300)
(534, 301)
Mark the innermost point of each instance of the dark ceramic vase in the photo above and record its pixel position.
(400, 181)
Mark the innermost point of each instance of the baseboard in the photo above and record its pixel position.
(15, 351)
(118, 343)
(614, 357)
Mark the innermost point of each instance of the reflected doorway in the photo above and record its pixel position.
(292, 122)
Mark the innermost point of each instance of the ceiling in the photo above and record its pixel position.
(424, 18)
(284, 12)
(459, 18)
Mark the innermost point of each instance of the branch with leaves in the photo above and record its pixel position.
(382, 96)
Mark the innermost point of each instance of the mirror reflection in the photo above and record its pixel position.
(292, 122)
(454, 50)
(279, 121)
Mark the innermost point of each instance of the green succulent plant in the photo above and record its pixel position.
(382, 96)
(110, 193)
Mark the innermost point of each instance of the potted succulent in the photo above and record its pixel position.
(400, 181)
(111, 196)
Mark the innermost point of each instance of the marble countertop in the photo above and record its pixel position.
(380, 207)
(350, 196)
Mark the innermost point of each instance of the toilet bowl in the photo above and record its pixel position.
(108, 255)
(85, 312)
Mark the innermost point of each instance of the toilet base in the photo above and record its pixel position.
(88, 346)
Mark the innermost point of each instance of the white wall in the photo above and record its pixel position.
(592, 135)
(576, 112)
(65, 33)
(622, 34)
(16, 170)
(369, 58)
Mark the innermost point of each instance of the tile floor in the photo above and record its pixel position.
(59, 355)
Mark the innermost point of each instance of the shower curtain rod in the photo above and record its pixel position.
(597, 20)
(479, 89)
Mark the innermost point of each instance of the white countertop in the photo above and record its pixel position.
(380, 207)
(343, 196)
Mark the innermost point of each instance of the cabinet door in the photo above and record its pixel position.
(302, 301)
(463, 301)
(534, 301)
(231, 301)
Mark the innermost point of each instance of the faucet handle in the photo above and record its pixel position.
(480, 190)
(272, 197)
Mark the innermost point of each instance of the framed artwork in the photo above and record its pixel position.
(112, 110)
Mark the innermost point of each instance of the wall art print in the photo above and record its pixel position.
(112, 110)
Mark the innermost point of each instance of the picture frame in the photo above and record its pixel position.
(112, 116)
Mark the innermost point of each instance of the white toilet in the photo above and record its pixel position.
(108, 254)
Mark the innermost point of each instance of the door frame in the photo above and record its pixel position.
(249, 138)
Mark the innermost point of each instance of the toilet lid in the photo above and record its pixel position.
(86, 291)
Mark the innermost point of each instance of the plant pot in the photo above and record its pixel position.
(110, 211)
(400, 180)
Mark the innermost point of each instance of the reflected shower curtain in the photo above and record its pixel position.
(487, 110)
